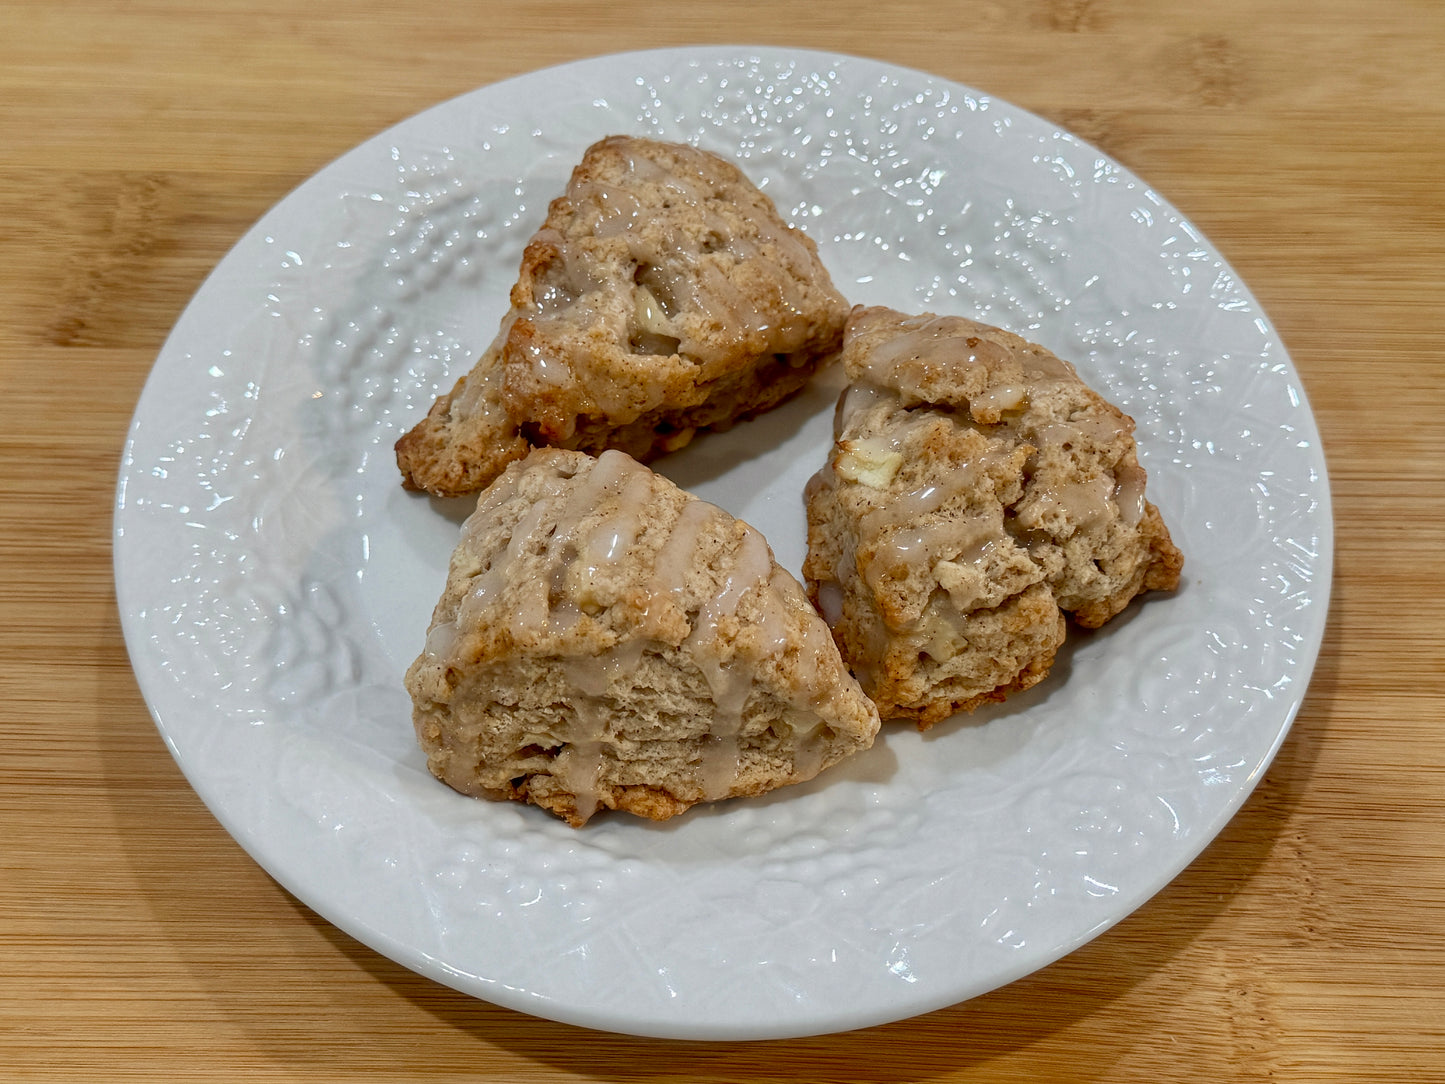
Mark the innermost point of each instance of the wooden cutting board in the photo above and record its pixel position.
(1307, 140)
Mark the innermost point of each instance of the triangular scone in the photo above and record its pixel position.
(607, 640)
(663, 294)
(977, 491)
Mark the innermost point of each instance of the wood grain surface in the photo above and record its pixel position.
(138, 142)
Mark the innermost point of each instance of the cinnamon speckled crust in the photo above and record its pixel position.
(977, 492)
(662, 295)
(606, 640)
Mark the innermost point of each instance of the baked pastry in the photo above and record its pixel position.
(607, 640)
(977, 491)
(663, 294)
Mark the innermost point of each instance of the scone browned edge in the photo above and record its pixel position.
(466, 438)
(911, 562)
(664, 294)
(606, 640)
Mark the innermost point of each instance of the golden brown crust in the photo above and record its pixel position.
(662, 295)
(607, 641)
(977, 492)
(658, 284)
(466, 438)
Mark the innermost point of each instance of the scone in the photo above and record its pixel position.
(976, 493)
(663, 294)
(607, 640)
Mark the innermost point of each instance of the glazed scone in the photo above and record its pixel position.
(977, 491)
(663, 294)
(607, 640)
(909, 506)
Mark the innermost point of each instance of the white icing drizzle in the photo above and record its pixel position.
(729, 684)
(811, 746)
(486, 588)
(940, 344)
(609, 209)
(830, 602)
(441, 639)
(673, 275)
(1129, 493)
(1083, 503)
(584, 529)
(602, 551)
(579, 763)
(899, 542)
(856, 398)
(929, 348)
(948, 341)
(594, 674)
(1100, 428)
(480, 395)
(669, 576)
(917, 549)
(776, 633)
(530, 603)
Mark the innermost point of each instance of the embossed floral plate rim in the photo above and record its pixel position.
(274, 581)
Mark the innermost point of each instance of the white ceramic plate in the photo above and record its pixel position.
(275, 580)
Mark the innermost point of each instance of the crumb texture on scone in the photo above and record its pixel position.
(977, 491)
(607, 640)
(662, 295)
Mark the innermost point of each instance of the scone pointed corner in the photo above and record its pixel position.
(608, 641)
(663, 295)
(467, 437)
